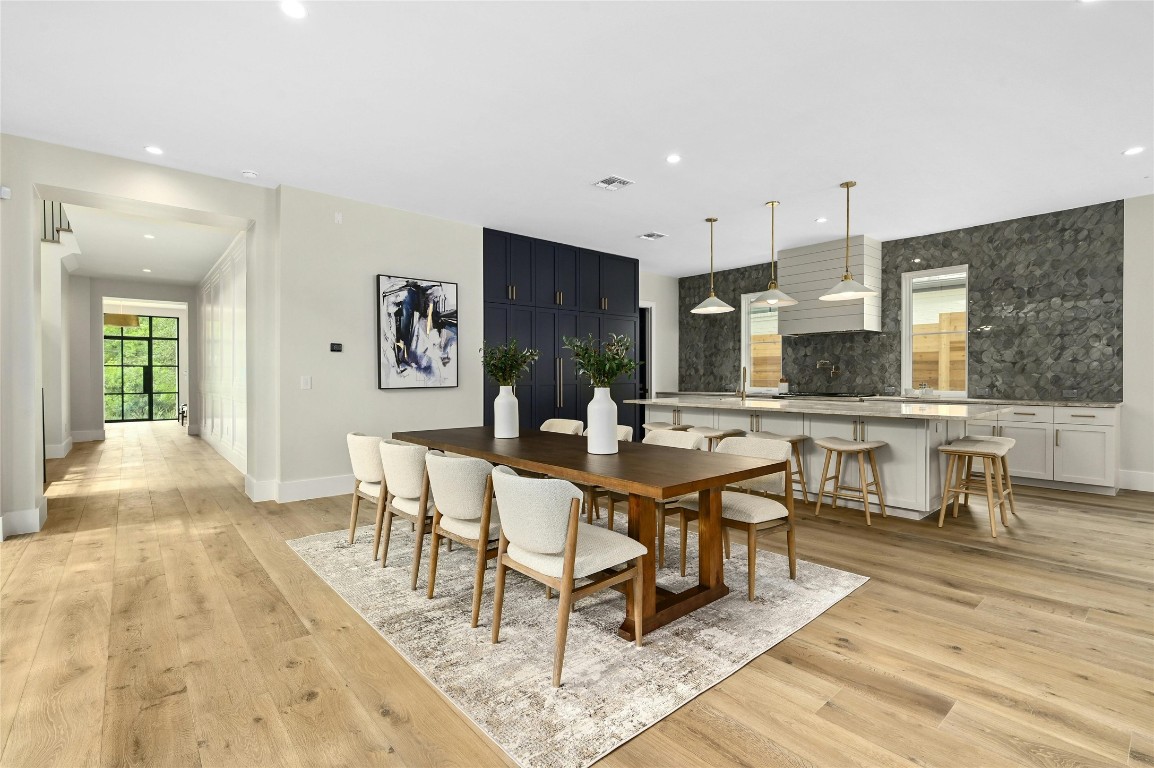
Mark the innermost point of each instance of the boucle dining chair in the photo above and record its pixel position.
(542, 536)
(407, 497)
(367, 475)
(746, 511)
(563, 426)
(465, 512)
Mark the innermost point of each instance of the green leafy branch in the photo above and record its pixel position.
(503, 363)
(601, 362)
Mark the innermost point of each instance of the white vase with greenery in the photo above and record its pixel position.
(602, 363)
(504, 363)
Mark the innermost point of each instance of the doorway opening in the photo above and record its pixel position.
(142, 359)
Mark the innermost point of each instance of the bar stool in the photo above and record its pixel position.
(860, 448)
(1009, 442)
(795, 442)
(715, 436)
(657, 426)
(960, 483)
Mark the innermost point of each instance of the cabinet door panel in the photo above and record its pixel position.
(544, 403)
(565, 275)
(521, 269)
(521, 329)
(544, 275)
(546, 342)
(1084, 454)
(1033, 453)
(901, 461)
(496, 268)
(619, 285)
(589, 281)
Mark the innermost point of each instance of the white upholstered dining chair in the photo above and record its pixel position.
(744, 510)
(465, 512)
(406, 495)
(367, 475)
(542, 536)
(563, 426)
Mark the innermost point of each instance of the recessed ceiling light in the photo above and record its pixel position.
(249, 174)
(152, 149)
(1134, 151)
(150, 237)
(673, 159)
(146, 270)
(821, 220)
(294, 9)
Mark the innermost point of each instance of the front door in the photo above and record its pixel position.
(141, 364)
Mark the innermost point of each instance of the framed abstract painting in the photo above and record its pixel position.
(416, 333)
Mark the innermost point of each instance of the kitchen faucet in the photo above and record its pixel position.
(741, 387)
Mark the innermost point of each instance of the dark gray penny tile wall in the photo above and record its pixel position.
(1045, 314)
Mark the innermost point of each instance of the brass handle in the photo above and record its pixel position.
(752, 428)
(557, 372)
(562, 295)
(1023, 413)
(560, 378)
(509, 292)
(1057, 437)
(514, 293)
(1082, 416)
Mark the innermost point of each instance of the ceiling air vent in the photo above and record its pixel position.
(612, 182)
(653, 236)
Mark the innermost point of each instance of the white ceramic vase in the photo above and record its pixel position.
(506, 419)
(602, 417)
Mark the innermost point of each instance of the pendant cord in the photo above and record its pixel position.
(847, 229)
(711, 258)
(773, 243)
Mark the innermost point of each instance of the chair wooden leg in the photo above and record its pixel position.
(548, 592)
(498, 596)
(800, 472)
(969, 472)
(1009, 485)
(960, 482)
(836, 482)
(478, 579)
(434, 548)
(638, 594)
(418, 547)
(386, 534)
(878, 483)
(996, 464)
(751, 543)
(353, 513)
(950, 462)
(381, 503)
(986, 470)
(563, 609)
(792, 554)
(684, 538)
(821, 483)
(865, 489)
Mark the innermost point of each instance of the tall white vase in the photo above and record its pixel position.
(602, 416)
(506, 419)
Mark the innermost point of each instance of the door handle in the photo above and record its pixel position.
(508, 292)
(562, 295)
(561, 379)
(1057, 437)
(514, 293)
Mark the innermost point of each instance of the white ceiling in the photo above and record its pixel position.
(113, 245)
(948, 114)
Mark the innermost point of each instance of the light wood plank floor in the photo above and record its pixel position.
(159, 619)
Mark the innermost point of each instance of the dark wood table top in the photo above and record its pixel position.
(653, 471)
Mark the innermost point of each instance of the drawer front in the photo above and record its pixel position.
(1099, 417)
(1038, 414)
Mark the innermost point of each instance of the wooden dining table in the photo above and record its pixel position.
(646, 473)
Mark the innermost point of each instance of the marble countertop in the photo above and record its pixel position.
(899, 399)
(834, 407)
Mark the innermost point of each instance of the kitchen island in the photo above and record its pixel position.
(911, 468)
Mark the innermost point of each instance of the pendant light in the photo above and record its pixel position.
(712, 305)
(122, 319)
(773, 297)
(847, 287)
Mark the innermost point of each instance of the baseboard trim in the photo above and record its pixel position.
(259, 490)
(230, 454)
(1097, 490)
(87, 435)
(314, 488)
(1136, 480)
(58, 450)
(20, 521)
(193, 429)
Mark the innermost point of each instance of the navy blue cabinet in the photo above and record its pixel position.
(508, 261)
(608, 283)
(554, 275)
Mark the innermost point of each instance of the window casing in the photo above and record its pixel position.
(935, 329)
(760, 345)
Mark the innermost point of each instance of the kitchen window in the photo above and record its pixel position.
(934, 329)
(760, 345)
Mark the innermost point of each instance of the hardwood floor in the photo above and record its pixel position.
(159, 619)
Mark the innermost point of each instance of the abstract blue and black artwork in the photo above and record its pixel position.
(416, 333)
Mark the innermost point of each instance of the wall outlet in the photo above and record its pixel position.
(338, 218)
(982, 392)
(1070, 394)
(335, 346)
(306, 382)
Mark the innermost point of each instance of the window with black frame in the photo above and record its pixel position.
(141, 364)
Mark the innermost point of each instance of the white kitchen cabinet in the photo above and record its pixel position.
(1084, 454)
(736, 420)
(902, 462)
(1033, 453)
(658, 413)
(780, 423)
(982, 428)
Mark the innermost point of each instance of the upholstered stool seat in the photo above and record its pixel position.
(715, 436)
(837, 446)
(653, 426)
(795, 442)
(992, 451)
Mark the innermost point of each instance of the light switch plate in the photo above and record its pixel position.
(306, 382)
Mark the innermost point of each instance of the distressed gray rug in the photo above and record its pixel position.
(611, 690)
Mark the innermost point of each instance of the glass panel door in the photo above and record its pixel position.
(140, 370)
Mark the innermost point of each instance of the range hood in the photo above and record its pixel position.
(806, 273)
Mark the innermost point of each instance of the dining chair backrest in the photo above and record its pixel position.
(759, 448)
(534, 513)
(672, 439)
(564, 426)
(404, 465)
(624, 433)
(458, 484)
(365, 457)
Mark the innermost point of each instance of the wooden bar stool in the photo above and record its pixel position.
(715, 436)
(860, 448)
(657, 426)
(1009, 442)
(960, 482)
(795, 442)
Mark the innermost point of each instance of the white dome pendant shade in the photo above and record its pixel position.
(712, 305)
(847, 288)
(773, 297)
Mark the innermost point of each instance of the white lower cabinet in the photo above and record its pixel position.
(1084, 454)
(1033, 452)
(902, 462)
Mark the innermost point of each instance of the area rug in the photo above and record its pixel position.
(611, 690)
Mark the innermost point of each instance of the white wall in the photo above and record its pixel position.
(661, 290)
(54, 351)
(327, 277)
(1136, 464)
(85, 390)
(223, 400)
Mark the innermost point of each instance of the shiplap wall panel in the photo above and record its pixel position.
(223, 386)
(807, 272)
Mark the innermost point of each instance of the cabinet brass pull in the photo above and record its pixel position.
(1057, 438)
(1024, 413)
(1082, 416)
(561, 378)
(562, 295)
(514, 293)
